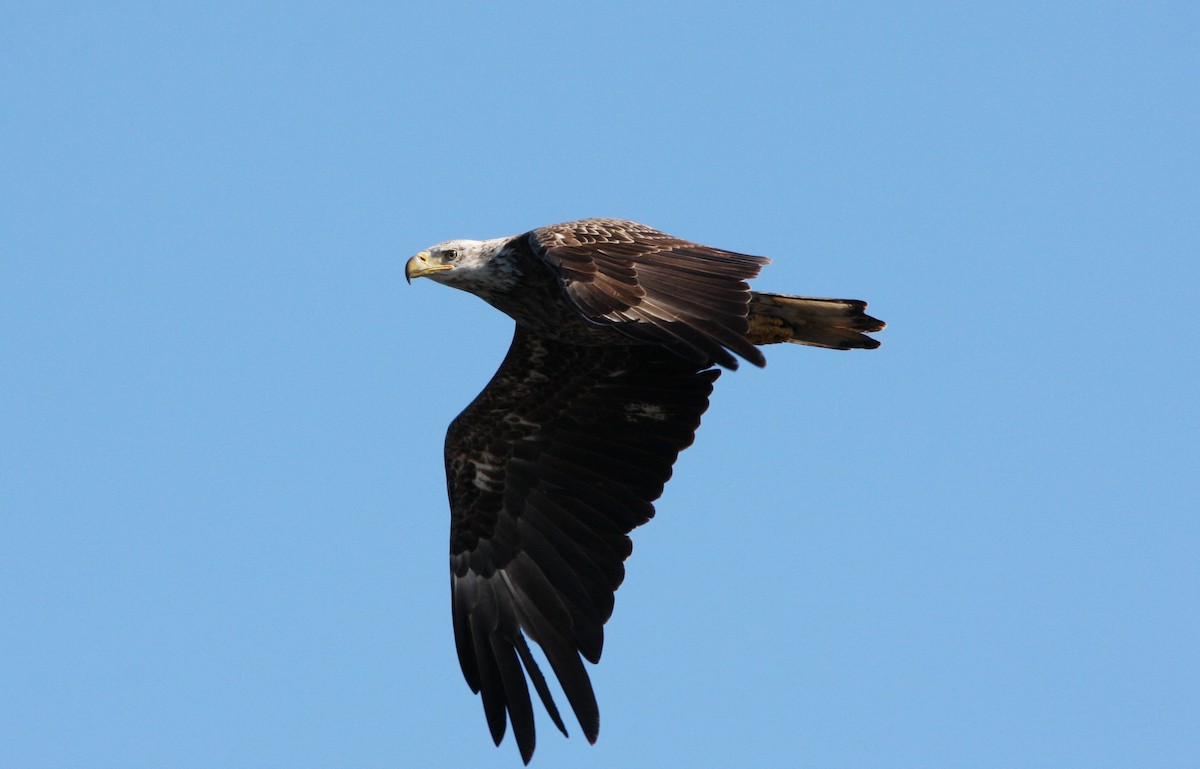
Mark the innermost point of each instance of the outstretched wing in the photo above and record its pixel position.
(689, 298)
(560, 456)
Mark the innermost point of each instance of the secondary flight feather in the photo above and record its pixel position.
(618, 329)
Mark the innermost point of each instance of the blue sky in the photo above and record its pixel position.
(222, 515)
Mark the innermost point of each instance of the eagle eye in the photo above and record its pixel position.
(449, 254)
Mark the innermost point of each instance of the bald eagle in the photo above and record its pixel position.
(618, 329)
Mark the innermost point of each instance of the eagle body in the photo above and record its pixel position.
(563, 453)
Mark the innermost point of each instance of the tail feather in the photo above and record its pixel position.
(840, 324)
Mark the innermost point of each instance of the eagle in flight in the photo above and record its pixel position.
(618, 329)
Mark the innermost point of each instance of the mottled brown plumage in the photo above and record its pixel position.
(567, 448)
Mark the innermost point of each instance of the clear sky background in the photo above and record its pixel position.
(223, 525)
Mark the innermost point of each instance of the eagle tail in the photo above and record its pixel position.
(839, 324)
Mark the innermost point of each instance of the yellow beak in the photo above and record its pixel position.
(421, 265)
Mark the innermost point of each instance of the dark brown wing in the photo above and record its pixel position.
(654, 287)
(560, 456)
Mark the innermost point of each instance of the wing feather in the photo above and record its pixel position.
(689, 298)
(548, 470)
(569, 590)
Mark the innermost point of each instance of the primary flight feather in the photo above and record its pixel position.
(618, 328)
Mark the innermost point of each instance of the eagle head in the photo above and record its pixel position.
(476, 266)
